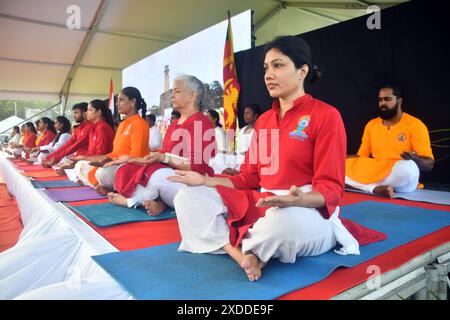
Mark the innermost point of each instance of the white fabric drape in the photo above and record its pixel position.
(52, 259)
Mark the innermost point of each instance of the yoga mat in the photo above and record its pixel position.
(41, 174)
(208, 276)
(73, 194)
(50, 178)
(421, 195)
(31, 167)
(108, 214)
(54, 184)
(21, 163)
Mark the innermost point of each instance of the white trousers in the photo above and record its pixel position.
(222, 161)
(157, 186)
(404, 177)
(41, 157)
(17, 152)
(284, 233)
(104, 176)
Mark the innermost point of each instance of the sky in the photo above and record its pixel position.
(200, 55)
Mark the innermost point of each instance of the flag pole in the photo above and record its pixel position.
(231, 88)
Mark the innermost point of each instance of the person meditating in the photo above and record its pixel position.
(77, 144)
(62, 127)
(131, 140)
(188, 145)
(301, 179)
(230, 163)
(100, 139)
(394, 148)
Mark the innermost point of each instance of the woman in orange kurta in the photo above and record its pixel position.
(131, 140)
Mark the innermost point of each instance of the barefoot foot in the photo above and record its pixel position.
(252, 267)
(102, 190)
(117, 199)
(154, 207)
(385, 191)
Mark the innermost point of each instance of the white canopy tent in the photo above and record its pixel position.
(41, 58)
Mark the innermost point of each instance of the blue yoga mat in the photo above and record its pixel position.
(421, 195)
(108, 214)
(54, 184)
(163, 273)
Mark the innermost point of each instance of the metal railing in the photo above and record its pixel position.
(29, 118)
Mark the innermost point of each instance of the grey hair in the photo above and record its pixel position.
(193, 84)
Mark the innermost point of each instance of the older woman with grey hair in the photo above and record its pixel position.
(188, 145)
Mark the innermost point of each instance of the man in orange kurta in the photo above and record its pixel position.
(394, 148)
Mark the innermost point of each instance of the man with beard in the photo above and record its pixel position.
(77, 144)
(394, 148)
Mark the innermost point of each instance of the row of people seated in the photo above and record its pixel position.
(226, 161)
(34, 145)
(96, 132)
(284, 200)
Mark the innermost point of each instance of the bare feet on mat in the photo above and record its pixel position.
(154, 207)
(61, 172)
(252, 266)
(384, 191)
(102, 190)
(117, 199)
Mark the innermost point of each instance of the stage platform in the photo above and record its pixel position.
(52, 259)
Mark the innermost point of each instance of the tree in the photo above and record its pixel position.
(213, 95)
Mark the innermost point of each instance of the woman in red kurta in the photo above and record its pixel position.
(190, 137)
(101, 137)
(48, 133)
(29, 137)
(102, 133)
(297, 157)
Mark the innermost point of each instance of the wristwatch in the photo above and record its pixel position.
(166, 158)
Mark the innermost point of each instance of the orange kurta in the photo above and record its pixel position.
(382, 146)
(131, 138)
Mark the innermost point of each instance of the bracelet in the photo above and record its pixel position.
(166, 158)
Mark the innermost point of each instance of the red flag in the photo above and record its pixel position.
(230, 81)
(111, 96)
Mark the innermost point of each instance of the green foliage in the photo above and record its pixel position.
(213, 95)
(7, 108)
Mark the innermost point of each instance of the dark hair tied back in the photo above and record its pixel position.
(298, 51)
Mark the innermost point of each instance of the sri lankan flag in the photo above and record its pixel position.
(230, 81)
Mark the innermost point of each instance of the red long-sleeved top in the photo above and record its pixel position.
(307, 146)
(193, 139)
(78, 142)
(100, 139)
(47, 138)
(311, 150)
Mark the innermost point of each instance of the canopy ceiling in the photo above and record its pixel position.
(41, 58)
